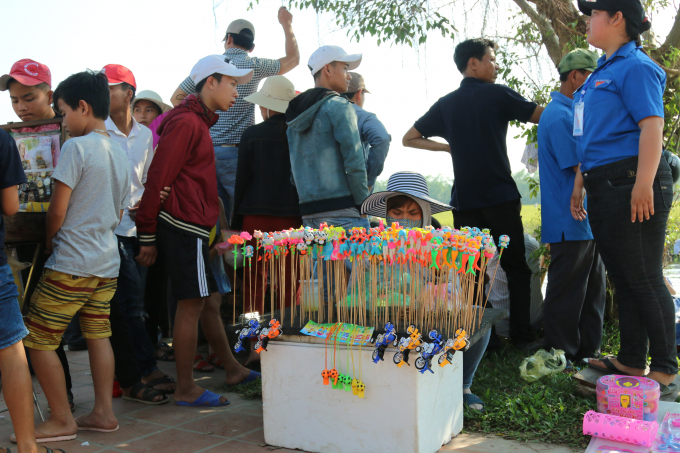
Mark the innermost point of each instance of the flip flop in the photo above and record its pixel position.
(93, 428)
(148, 395)
(470, 399)
(159, 381)
(47, 450)
(45, 440)
(609, 366)
(208, 398)
(253, 376)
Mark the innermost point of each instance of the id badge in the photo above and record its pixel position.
(578, 119)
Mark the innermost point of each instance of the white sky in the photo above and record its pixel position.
(160, 40)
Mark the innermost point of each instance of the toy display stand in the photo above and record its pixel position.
(402, 411)
(596, 444)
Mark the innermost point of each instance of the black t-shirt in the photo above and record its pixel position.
(474, 121)
(11, 174)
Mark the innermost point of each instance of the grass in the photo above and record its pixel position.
(548, 410)
(530, 217)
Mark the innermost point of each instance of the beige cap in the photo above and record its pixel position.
(241, 27)
(357, 83)
(275, 94)
(151, 96)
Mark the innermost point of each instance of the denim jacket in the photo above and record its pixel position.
(326, 154)
(376, 143)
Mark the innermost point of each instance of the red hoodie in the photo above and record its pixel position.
(185, 161)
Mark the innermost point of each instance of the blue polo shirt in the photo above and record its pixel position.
(556, 159)
(621, 92)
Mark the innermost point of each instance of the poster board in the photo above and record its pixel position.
(39, 144)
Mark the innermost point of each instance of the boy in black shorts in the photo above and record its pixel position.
(180, 226)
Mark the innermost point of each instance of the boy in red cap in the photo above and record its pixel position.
(30, 89)
(127, 321)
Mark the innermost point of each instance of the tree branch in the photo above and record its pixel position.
(673, 38)
(546, 29)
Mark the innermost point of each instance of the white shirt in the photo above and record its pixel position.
(139, 149)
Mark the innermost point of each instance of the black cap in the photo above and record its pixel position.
(632, 10)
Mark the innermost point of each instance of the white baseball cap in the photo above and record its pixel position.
(328, 54)
(219, 64)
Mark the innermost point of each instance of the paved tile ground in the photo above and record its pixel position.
(172, 429)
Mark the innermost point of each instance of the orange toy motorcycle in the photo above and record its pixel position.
(273, 331)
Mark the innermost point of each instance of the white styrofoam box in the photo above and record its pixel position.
(402, 411)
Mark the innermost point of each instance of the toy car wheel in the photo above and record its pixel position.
(420, 363)
(419, 348)
(395, 343)
(375, 354)
(441, 359)
(398, 357)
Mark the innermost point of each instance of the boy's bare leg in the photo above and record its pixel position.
(102, 366)
(185, 335)
(254, 356)
(18, 393)
(50, 374)
(213, 329)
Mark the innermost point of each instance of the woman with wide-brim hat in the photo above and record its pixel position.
(407, 201)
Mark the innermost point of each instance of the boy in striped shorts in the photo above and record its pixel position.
(91, 190)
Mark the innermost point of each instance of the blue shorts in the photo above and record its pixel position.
(217, 267)
(12, 329)
(226, 160)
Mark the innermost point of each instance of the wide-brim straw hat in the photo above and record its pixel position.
(275, 94)
(402, 183)
(151, 96)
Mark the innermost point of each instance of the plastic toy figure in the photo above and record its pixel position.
(302, 248)
(383, 341)
(504, 241)
(424, 362)
(406, 344)
(252, 331)
(459, 343)
(267, 334)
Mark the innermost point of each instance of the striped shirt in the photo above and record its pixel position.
(500, 294)
(232, 123)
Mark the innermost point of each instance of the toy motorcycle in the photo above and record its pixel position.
(406, 344)
(383, 341)
(266, 334)
(459, 343)
(424, 361)
(252, 331)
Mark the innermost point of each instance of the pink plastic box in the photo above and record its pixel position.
(620, 429)
(629, 397)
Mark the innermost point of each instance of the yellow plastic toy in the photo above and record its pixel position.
(406, 344)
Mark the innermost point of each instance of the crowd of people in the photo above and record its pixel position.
(143, 189)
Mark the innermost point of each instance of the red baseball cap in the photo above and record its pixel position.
(118, 74)
(27, 72)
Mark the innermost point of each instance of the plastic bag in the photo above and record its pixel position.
(542, 364)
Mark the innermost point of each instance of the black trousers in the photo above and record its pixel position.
(506, 218)
(633, 256)
(123, 350)
(575, 299)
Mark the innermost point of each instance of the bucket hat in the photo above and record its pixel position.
(402, 183)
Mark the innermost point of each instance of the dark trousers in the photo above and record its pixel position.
(156, 301)
(574, 301)
(633, 254)
(506, 218)
(130, 297)
(123, 350)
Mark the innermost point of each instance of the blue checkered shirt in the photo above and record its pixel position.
(232, 123)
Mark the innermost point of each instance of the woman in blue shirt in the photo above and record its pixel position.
(619, 121)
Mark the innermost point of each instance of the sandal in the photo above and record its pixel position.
(47, 450)
(165, 347)
(470, 398)
(668, 389)
(148, 395)
(215, 361)
(160, 381)
(609, 366)
(202, 365)
(164, 356)
(117, 391)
